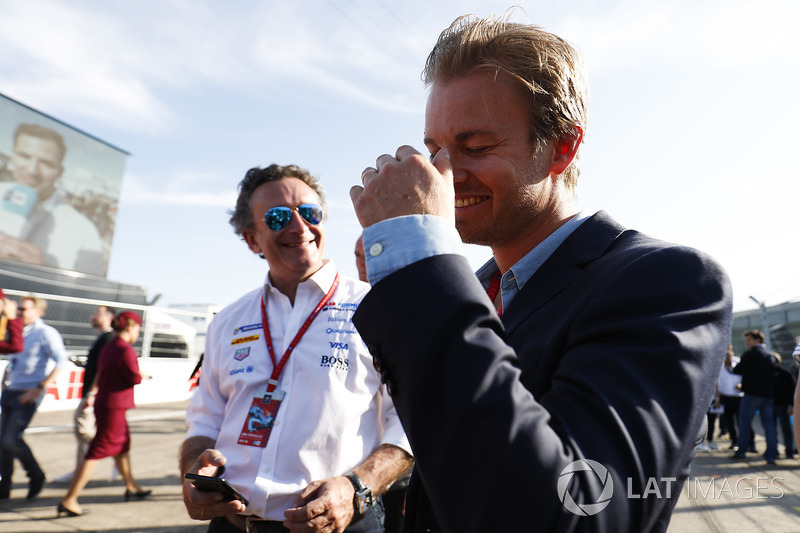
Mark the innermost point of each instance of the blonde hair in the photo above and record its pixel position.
(39, 303)
(549, 72)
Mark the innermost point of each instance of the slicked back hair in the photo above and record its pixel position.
(549, 72)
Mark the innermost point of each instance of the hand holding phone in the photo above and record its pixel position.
(216, 483)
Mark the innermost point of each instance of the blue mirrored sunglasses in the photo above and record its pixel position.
(277, 217)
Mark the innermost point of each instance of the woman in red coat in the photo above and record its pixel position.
(117, 373)
(11, 340)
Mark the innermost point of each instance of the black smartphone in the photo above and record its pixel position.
(216, 483)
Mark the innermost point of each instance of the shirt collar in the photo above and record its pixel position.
(322, 279)
(527, 266)
(32, 325)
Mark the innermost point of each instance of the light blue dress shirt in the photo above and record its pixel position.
(396, 243)
(31, 366)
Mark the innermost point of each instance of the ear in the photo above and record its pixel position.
(248, 237)
(565, 148)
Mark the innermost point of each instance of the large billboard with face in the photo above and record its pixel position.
(59, 190)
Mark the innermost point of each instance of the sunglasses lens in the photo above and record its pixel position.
(277, 217)
(312, 213)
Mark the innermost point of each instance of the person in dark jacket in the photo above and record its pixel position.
(583, 352)
(784, 398)
(85, 424)
(757, 369)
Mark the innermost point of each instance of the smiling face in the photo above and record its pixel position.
(505, 190)
(295, 251)
(36, 162)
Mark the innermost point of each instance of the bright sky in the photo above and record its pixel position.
(693, 118)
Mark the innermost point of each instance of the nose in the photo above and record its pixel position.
(296, 223)
(28, 164)
(459, 172)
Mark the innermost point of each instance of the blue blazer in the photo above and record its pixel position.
(609, 354)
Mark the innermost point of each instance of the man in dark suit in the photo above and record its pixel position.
(757, 369)
(578, 408)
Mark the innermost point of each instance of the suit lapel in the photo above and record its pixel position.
(587, 243)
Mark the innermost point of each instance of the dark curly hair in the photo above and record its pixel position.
(241, 217)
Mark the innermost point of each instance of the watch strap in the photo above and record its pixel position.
(362, 499)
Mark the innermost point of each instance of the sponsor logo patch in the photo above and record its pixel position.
(245, 329)
(241, 370)
(330, 361)
(241, 353)
(341, 306)
(332, 331)
(241, 340)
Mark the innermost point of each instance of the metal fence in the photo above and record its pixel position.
(166, 333)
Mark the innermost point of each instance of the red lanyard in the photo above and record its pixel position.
(278, 367)
(494, 288)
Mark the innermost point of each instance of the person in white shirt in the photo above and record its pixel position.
(290, 402)
(729, 394)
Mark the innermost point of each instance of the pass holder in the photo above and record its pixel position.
(261, 416)
(264, 407)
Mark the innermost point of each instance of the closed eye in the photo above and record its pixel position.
(473, 151)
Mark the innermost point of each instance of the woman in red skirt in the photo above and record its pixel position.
(117, 373)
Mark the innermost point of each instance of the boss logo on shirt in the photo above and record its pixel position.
(241, 340)
(331, 361)
(241, 353)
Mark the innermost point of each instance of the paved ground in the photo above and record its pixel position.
(157, 431)
(722, 495)
(739, 496)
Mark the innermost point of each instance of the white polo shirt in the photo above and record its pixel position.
(334, 414)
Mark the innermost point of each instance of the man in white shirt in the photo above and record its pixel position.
(289, 402)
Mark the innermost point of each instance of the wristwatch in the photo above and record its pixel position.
(362, 499)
